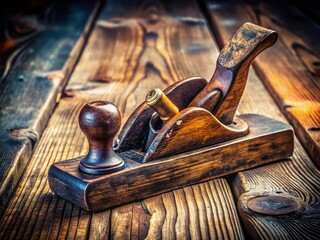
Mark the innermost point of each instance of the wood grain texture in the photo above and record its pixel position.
(134, 47)
(202, 211)
(290, 69)
(130, 221)
(296, 178)
(205, 128)
(37, 69)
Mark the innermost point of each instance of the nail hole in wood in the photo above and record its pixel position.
(316, 64)
(314, 129)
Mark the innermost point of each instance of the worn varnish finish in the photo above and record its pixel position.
(37, 64)
(290, 69)
(156, 50)
(230, 76)
(101, 158)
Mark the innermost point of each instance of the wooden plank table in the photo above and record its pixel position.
(132, 47)
(37, 55)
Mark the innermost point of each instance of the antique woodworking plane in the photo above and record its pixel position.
(186, 134)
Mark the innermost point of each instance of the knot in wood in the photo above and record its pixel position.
(273, 205)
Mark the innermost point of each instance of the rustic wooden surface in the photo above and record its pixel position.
(295, 178)
(157, 51)
(158, 45)
(37, 66)
(290, 69)
(202, 211)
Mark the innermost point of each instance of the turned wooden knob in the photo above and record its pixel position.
(100, 121)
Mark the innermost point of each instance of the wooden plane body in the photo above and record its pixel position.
(268, 140)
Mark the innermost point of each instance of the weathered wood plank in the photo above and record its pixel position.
(128, 53)
(130, 221)
(290, 69)
(37, 69)
(100, 225)
(295, 179)
(201, 211)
